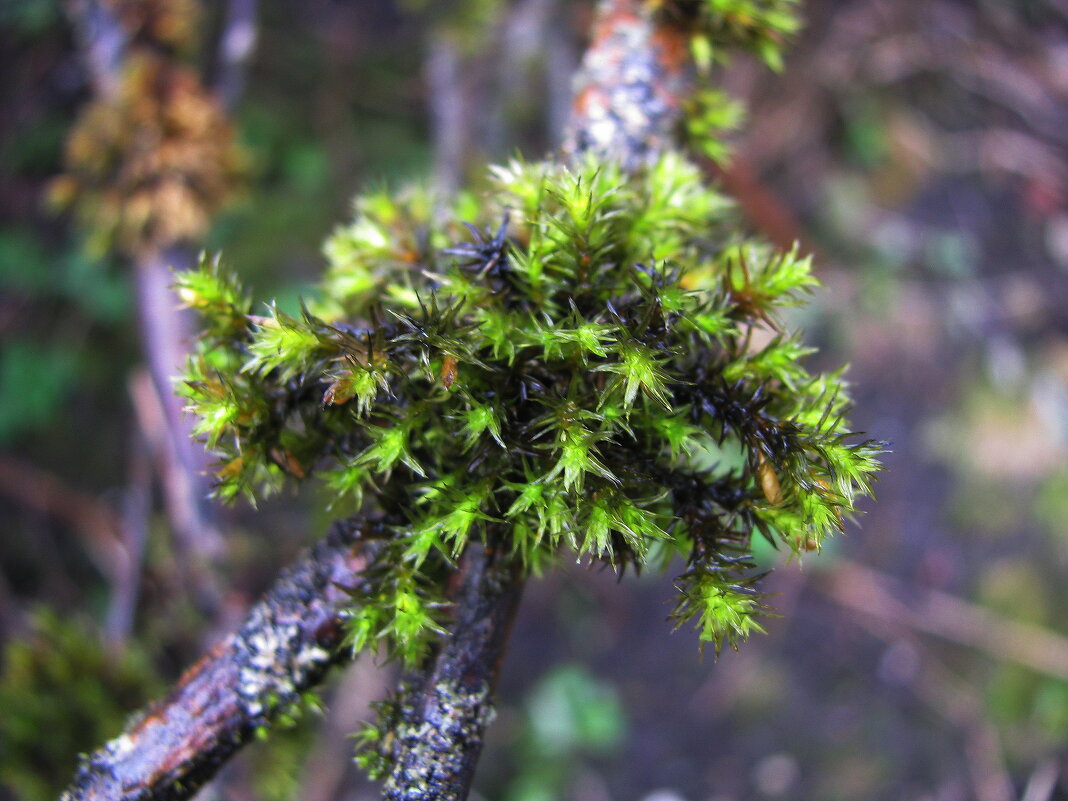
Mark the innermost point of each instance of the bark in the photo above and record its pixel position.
(630, 89)
(440, 736)
(288, 642)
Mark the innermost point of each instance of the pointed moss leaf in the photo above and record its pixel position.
(390, 445)
(639, 368)
(478, 419)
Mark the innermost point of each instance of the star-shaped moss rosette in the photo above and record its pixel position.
(594, 367)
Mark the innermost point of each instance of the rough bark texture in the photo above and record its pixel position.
(439, 738)
(287, 643)
(631, 85)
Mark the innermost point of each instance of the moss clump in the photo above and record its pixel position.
(761, 27)
(62, 692)
(594, 366)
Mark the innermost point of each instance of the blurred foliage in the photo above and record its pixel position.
(760, 26)
(62, 693)
(569, 717)
(151, 166)
(274, 763)
(471, 21)
(39, 370)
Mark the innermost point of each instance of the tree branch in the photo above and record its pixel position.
(183, 463)
(103, 42)
(439, 739)
(878, 595)
(236, 45)
(288, 642)
(631, 85)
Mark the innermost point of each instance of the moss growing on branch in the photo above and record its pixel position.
(568, 374)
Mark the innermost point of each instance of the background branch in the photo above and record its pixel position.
(166, 332)
(946, 616)
(236, 45)
(103, 42)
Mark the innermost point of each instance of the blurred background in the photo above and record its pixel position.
(919, 150)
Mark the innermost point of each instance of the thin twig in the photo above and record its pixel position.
(946, 616)
(561, 62)
(103, 41)
(450, 113)
(1043, 782)
(236, 45)
(287, 643)
(136, 506)
(182, 463)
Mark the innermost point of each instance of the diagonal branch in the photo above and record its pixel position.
(288, 642)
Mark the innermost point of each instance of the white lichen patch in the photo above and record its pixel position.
(276, 660)
(312, 657)
(120, 746)
(432, 753)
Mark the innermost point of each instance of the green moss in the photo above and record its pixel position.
(761, 27)
(538, 379)
(62, 693)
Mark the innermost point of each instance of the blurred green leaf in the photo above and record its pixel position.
(35, 380)
(570, 716)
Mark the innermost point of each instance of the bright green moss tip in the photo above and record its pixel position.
(595, 365)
